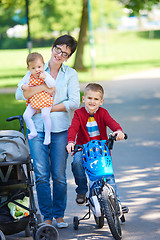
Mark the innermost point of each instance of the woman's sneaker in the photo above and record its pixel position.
(81, 199)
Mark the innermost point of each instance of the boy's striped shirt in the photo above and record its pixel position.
(92, 128)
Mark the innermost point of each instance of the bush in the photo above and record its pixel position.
(19, 43)
(154, 34)
(13, 43)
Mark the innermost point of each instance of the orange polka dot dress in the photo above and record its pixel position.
(39, 100)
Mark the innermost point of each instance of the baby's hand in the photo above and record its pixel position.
(25, 87)
(42, 76)
(70, 147)
(120, 135)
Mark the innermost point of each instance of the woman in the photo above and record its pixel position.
(52, 158)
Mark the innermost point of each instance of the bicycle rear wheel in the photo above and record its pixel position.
(111, 211)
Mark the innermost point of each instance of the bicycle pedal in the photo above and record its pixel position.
(125, 209)
(122, 218)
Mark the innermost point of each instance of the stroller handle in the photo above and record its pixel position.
(20, 118)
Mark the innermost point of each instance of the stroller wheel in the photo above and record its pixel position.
(39, 219)
(47, 232)
(2, 237)
(27, 231)
(75, 223)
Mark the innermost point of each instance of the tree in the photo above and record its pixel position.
(78, 64)
(45, 16)
(9, 17)
(137, 5)
(111, 9)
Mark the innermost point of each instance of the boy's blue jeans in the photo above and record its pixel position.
(80, 176)
(50, 161)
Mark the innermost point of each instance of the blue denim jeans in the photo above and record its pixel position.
(49, 162)
(80, 176)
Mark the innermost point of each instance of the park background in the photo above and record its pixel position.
(115, 37)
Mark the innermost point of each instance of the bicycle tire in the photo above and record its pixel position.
(111, 212)
(2, 236)
(99, 221)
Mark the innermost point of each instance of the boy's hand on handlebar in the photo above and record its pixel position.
(120, 135)
(70, 147)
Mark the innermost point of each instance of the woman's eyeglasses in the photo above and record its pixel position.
(58, 50)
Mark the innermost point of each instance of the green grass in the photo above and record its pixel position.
(10, 107)
(116, 54)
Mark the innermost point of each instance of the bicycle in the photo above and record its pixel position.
(102, 200)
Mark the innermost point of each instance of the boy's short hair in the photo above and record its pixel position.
(34, 56)
(94, 87)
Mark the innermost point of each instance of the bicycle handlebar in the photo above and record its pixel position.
(112, 138)
(110, 142)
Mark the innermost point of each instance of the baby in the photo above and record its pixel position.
(41, 100)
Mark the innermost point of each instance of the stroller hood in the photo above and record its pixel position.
(13, 147)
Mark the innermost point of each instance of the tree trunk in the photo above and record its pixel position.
(78, 64)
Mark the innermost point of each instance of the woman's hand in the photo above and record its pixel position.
(70, 147)
(25, 87)
(38, 111)
(58, 108)
(51, 91)
(120, 135)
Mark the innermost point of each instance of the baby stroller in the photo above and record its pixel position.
(17, 205)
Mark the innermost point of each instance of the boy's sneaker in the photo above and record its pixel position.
(81, 199)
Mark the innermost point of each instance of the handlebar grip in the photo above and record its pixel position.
(114, 137)
(125, 136)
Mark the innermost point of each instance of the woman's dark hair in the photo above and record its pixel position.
(68, 40)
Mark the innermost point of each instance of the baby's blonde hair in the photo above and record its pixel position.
(95, 87)
(34, 56)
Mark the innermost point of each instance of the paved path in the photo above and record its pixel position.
(135, 103)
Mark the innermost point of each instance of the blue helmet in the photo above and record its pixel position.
(97, 159)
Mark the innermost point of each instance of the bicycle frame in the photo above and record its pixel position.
(102, 199)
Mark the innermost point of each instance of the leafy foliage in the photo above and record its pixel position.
(137, 5)
(45, 16)
(7, 13)
(106, 13)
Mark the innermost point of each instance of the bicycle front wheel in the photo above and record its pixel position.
(99, 221)
(111, 211)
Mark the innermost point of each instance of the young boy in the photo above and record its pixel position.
(41, 100)
(88, 123)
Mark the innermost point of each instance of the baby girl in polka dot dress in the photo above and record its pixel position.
(41, 100)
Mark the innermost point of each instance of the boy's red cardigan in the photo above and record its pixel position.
(79, 121)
